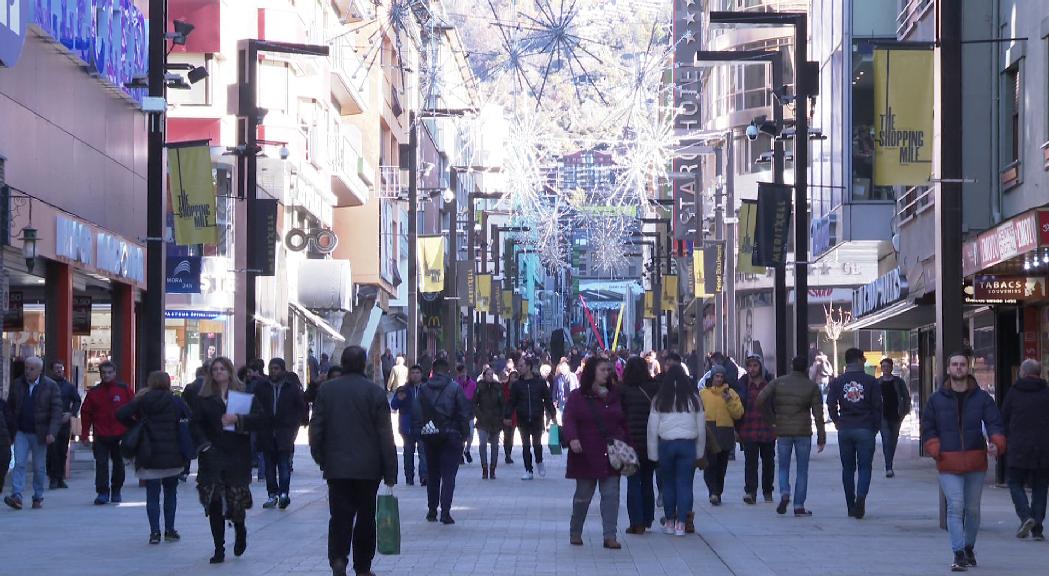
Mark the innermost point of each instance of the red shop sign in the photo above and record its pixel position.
(1009, 239)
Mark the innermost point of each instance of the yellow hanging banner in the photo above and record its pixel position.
(669, 294)
(484, 293)
(699, 273)
(192, 194)
(524, 309)
(650, 305)
(748, 226)
(903, 116)
(431, 264)
(507, 311)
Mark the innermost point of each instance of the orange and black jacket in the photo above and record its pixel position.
(953, 427)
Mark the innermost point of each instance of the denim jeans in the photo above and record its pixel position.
(677, 467)
(802, 447)
(890, 437)
(278, 472)
(584, 493)
(443, 459)
(170, 486)
(411, 446)
(1035, 507)
(26, 444)
(470, 436)
(856, 448)
(488, 443)
(640, 495)
(963, 492)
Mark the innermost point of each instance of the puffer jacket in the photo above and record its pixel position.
(161, 410)
(489, 405)
(953, 429)
(718, 411)
(637, 404)
(1025, 414)
(47, 407)
(792, 403)
(448, 401)
(530, 399)
(100, 409)
(677, 426)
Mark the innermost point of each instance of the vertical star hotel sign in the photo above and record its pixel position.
(687, 41)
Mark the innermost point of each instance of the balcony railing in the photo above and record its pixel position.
(909, 16)
(345, 159)
(392, 187)
(913, 201)
(349, 82)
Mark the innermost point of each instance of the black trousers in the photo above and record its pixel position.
(714, 475)
(352, 507)
(752, 451)
(531, 443)
(5, 460)
(442, 464)
(106, 449)
(56, 454)
(508, 440)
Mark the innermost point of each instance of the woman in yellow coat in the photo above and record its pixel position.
(723, 408)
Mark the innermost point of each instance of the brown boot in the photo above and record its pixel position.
(690, 523)
(612, 544)
(635, 530)
(484, 472)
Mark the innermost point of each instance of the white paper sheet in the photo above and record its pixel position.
(238, 403)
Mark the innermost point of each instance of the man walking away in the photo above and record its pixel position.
(100, 412)
(792, 403)
(756, 434)
(59, 449)
(953, 425)
(854, 403)
(402, 402)
(35, 404)
(1025, 414)
(386, 362)
(351, 439)
(531, 402)
(895, 405)
(441, 415)
(283, 399)
(399, 374)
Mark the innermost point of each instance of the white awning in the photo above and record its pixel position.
(317, 321)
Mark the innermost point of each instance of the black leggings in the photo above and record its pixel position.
(508, 440)
(218, 524)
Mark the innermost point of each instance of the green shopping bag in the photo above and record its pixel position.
(388, 524)
(554, 441)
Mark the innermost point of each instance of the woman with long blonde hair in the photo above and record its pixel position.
(224, 470)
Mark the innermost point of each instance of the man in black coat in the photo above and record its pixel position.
(283, 400)
(531, 400)
(36, 407)
(441, 414)
(57, 451)
(351, 439)
(1025, 413)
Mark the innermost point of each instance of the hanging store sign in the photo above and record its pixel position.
(81, 315)
(748, 224)
(990, 288)
(431, 264)
(320, 240)
(262, 232)
(670, 297)
(183, 275)
(714, 267)
(903, 115)
(650, 305)
(108, 36)
(687, 36)
(465, 280)
(1005, 241)
(773, 225)
(484, 293)
(193, 197)
(14, 319)
(699, 274)
(506, 311)
(883, 292)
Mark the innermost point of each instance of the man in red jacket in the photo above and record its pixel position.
(100, 410)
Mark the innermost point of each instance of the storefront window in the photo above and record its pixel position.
(863, 125)
(983, 347)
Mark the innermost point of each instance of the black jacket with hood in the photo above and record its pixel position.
(450, 404)
(1025, 413)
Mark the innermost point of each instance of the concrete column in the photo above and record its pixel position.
(58, 318)
(123, 339)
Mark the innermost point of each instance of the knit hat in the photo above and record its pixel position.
(717, 369)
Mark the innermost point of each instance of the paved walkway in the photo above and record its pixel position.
(510, 527)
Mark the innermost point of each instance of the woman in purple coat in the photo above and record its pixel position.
(593, 416)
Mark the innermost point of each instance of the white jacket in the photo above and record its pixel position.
(676, 426)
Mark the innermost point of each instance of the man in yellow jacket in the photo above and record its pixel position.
(723, 408)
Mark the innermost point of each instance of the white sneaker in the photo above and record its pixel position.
(668, 527)
(679, 529)
(527, 476)
(542, 469)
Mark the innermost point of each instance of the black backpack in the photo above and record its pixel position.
(443, 422)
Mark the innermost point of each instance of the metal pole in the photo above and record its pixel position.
(471, 310)
(453, 322)
(153, 339)
(948, 206)
(657, 296)
(801, 169)
(780, 272)
(719, 236)
(249, 57)
(730, 336)
(413, 242)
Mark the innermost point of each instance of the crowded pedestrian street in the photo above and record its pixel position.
(509, 527)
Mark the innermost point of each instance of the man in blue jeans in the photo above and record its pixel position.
(854, 404)
(953, 425)
(402, 402)
(35, 405)
(792, 403)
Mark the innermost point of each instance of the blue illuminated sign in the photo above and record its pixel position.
(108, 36)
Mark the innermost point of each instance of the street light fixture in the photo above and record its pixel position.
(29, 239)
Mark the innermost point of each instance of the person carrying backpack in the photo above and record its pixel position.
(441, 414)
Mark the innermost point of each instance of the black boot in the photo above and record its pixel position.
(240, 543)
(218, 534)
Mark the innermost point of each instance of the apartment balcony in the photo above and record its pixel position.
(354, 10)
(349, 78)
(346, 183)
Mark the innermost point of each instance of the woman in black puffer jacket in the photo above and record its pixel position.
(636, 394)
(160, 465)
